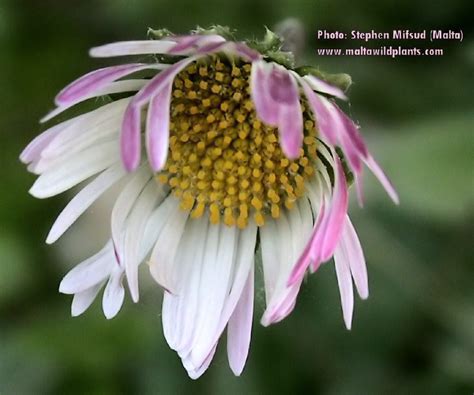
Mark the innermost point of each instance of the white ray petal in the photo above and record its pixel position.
(114, 294)
(292, 233)
(83, 200)
(185, 267)
(239, 329)
(344, 281)
(90, 272)
(355, 255)
(135, 229)
(75, 170)
(164, 252)
(214, 288)
(126, 48)
(82, 300)
(124, 204)
(87, 129)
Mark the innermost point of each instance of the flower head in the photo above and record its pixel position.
(223, 144)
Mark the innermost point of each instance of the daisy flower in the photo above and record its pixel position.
(225, 151)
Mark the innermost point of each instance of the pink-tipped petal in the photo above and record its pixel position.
(352, 133)
(130, 138)
(160, 80)
(157, 131)
(290, 127)
(324, 117)
(192, 43)
(212, 48)
(113, 87)
(266, 111)
(33, 150)
(239, 329)
(324, 87)
(94, 81)
(282, 87)
(244, 51)
(383, 179)
(338, 211)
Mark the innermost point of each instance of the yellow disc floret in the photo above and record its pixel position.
(222, 158)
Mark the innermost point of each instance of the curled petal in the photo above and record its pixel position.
(130, 139)
(259, 90)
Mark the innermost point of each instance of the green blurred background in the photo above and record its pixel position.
(414, 335)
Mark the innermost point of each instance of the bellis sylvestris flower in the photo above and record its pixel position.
(223, 147)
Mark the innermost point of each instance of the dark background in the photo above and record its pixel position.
(414, 335)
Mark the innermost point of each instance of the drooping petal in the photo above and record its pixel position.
(83, 200)
(239, 329)
(355, 255)
(327, 125)
(157, 131)
(114, 294)
(90, 272)
(383, 179)
(335, 220)
(214, 286)
(282, 242)
(179, 308)
(344, 281)
(96, 80)
(124, 204)
(82, 300)
(164, 252)
(311, 252)
(151, 195)
(195, 373)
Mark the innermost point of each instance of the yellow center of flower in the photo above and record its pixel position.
(222, 158)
